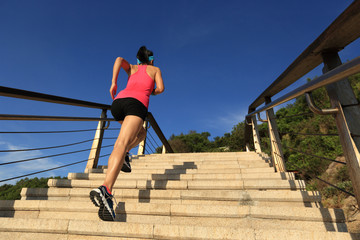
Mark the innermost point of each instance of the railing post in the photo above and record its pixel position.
(141, 149)
(96, 146)
(347, 119)
(163, 149)
(277, 155)
(256, 136)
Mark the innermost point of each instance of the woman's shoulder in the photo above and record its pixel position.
(153, 68)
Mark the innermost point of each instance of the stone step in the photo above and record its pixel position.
(189, 171)
(200, 165)
(52, 236)
(197, 164)
(191, 176)
(197, 160)
(255, 223)
(245, 197)
(209, 202)
(87, 228)
(86, 210)
(183, 184)
(200, 157)
(201, 154)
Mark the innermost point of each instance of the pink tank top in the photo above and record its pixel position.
(140, 86)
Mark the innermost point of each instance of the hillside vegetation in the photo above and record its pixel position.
(12, 192)
(301, 132)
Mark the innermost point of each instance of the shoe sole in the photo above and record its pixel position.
(98, 200)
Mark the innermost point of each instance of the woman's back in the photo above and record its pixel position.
(150, 70)
(140, 83)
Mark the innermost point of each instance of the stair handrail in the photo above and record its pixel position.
(95, 152)
(341, 32)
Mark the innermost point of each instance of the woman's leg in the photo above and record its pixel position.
(139, 138)
(128, 132)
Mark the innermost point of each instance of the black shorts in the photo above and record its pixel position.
(123, 107)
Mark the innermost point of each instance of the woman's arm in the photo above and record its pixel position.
(159, 83)
(119, 63)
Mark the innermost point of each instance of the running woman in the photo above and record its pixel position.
(129, 108)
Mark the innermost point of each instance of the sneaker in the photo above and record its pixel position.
(102, 199)
(126, 166)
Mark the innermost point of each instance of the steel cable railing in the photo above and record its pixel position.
(309, 134)
(50, 169)
(151, 136)
(151, 143)
(97, 141)
(312, 155)
(52, 147)
(63, 131)
(53, 155)
(49, 156)
(297, 167)
(326, 182)
(45, 148)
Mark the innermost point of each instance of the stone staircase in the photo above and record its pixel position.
(178, 196)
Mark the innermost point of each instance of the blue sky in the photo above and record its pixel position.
(216, 57)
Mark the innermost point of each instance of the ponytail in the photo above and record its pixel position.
(143, 55)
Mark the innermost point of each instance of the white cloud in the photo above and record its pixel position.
(227, 121)
(18, 169)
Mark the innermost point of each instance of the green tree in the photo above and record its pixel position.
(12, 192)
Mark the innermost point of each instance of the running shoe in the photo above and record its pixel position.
(102, 199)
(126, 166)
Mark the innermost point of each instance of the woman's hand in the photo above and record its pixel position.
(113, 89)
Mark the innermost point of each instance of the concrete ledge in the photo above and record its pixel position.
(210, 211)
(32, 236)
(160, 184)
(87, 237)
(185, 184)
(117, 229)
(301, 214)
(19, 205)
(236, 185)
(205, 194)
(189, 176)
(262, 234)
(43, 193)
(86, 210)
(274, 184)
(35, 225)
(19, 214)
(193, 232)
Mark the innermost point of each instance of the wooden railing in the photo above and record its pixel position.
(344, 106)
(97, 142)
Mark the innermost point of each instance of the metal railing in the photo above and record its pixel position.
(97, 146)
(345, 107)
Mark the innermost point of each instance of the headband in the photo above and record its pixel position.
(150, 58)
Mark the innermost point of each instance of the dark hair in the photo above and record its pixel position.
(144, 54)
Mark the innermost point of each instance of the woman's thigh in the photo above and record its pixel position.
(130, 128)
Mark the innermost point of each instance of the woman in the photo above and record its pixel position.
(129, 108)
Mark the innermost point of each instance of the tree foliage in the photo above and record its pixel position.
(12, 192)
(199, 142)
